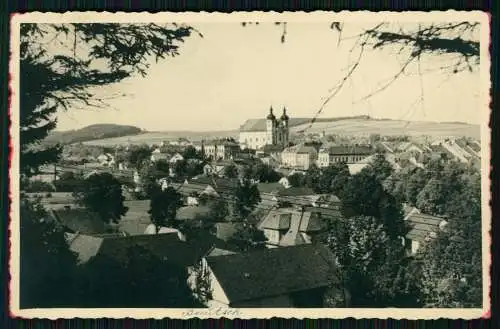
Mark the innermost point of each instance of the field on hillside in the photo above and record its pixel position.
(392, 127)
(160, 136)
(342, 126)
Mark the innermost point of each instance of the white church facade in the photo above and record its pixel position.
(256, 133)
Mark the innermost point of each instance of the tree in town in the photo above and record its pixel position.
(52, 80)
(296, 180)
(180, 168)
(452, 262)
(162, 168)
(193, 167)
(68, 182)
(190, 152)
(219, 210)
(139, 278)
(46, 263)
(380, 167)
(102, 193)
(373, 267)
(264, 173)
(203, 290)
(163, 206)
(333, 178)
(312, 178)
(231, 171)
(138, 156)
(432, 198)
(248, 237)
(246, 197)
(361, 196)
(364, 195)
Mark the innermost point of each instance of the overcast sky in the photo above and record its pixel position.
(235, 73)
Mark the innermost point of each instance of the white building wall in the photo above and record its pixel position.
(273, 236)
(253, 139)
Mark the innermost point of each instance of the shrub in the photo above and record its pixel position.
(38, 186)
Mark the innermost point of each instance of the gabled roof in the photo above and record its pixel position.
(272, 148)
(191, 212)
(421, 225)
(300, 149)
(277, 219)
(80, 220)
(260, 124)
(297, 191)
(254, 125)
(220, 252)
(225, 231)
(273, 272)
(311, 222)
(270, 187)
(348, 150)
(166, 246)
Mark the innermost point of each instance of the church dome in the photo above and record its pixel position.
(271, 115)
(284, 117)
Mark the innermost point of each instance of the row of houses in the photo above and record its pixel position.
(235, 278)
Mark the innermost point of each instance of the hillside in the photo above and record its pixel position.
(366, 126)
(157, 137)
(92, 132)
(359, 125)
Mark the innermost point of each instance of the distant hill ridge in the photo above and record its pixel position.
(108, 134)
(92, 132)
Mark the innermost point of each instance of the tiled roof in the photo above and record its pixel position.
(278, 219)
(272, 148)
(80, 220)
(300, 149)
(348, 150)
(191, 212)
(311, 222)
(220, 252)
(164, 246)
(254, 125)
(85, 246)
(270, 187)
(225, 231)
(297, 191)
(421, 225)
(273, 272)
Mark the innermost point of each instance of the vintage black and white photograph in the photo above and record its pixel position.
(250, 165)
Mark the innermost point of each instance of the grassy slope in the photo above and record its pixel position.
(392, 127)
(347, 126)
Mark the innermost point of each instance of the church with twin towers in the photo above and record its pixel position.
(272, 130)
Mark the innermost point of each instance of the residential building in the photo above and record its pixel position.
(299, 157)
(290, 226)
(106, 160)
(152, 229)
(346, 153)
(423, 228)
(80, 220)
(157, 154)
(175, 158)
(256, 133)
(224, 149)
(297, 276)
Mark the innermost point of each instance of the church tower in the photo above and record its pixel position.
(284, 122)
(271, 128)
